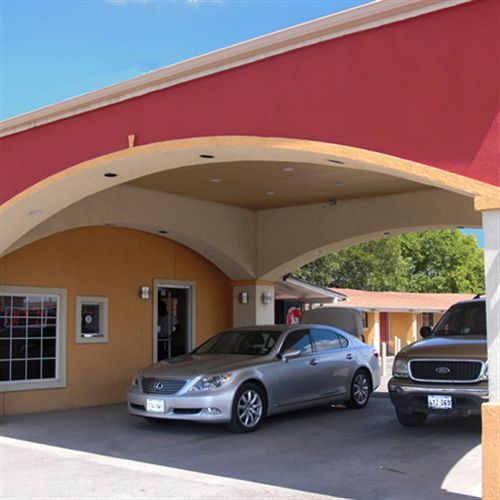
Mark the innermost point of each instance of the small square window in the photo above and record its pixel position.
(91, 320)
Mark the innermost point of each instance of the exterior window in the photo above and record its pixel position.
(326, 340)
(428, 319)
(32, 341)
(91, 319)
(364, 316)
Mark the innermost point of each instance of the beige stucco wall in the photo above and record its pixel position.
(370, 332)
(111, 262)
(491, 451)
(401, 326)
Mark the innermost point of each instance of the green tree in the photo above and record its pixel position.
(443, 262)
(432, 261)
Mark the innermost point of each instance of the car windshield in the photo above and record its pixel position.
(256, 343)
(463, 319)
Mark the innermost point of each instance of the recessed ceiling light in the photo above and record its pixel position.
(270, 193)
(215, 180)
(110, 174)
(337, 162)
(162, 231)
(207, 156)
(288, 169)
(35, 211)
(340, 184)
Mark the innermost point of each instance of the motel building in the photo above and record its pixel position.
(192, 190)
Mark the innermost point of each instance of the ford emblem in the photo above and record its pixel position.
(159, 386)
(442, 370)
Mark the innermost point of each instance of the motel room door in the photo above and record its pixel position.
(384, 330)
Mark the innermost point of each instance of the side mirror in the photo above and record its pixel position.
(290, 354)
(425, 331)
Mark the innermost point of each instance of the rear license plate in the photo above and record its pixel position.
(155, 405)
(439, 402)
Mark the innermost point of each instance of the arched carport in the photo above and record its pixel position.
(262, 156)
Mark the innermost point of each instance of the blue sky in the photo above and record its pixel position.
(54, 50)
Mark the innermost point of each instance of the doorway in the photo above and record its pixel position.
(384, 331)
(173, 320)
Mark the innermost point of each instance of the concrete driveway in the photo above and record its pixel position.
(104, 453)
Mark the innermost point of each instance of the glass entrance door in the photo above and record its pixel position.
(173, 321)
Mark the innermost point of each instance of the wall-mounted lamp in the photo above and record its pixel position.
(266, 298)
(243, 297)
(144, 292)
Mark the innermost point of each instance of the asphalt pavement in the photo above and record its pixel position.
(323, 452)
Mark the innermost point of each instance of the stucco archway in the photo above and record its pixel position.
(37, 204)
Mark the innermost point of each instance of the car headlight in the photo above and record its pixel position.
(213, 382)
(137, 380)
(400, 368)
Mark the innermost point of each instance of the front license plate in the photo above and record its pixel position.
(439, 402)
(155, 405)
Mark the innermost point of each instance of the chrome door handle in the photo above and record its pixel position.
(313, 362)
(348, 356)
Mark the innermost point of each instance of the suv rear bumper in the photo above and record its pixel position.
(408, 396)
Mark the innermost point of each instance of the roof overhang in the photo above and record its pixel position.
(295, 289)
(364, 17)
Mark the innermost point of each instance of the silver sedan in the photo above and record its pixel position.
(240, 376)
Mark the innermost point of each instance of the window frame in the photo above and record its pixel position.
(60, 379)
(103, 303)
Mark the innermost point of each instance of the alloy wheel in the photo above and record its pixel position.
(360, 389)
(250, 408)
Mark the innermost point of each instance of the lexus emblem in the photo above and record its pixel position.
(158, 386)
(442, 370)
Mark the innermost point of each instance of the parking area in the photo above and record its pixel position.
(102, 452)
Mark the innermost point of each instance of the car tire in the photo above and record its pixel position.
(412, 419)
(361, 388)
(249, 408)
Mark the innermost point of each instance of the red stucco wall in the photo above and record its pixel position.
(425, 89)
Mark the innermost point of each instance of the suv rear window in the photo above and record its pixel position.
(463, 319)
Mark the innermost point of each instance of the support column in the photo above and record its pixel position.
(414, 327)
(376, 330)
(491, 410)
(253, 303)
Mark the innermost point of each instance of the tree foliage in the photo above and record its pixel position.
(432, 262)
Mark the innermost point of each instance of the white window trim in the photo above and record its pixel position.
(60, 379)
(103, 320)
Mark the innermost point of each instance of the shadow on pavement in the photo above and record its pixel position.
(356, 454)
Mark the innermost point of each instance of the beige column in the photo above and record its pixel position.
(253, 303)
(415, 326)
(376, 330)
(491, 410)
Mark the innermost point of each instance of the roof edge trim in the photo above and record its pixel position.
(361, 18)
(326, 292)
